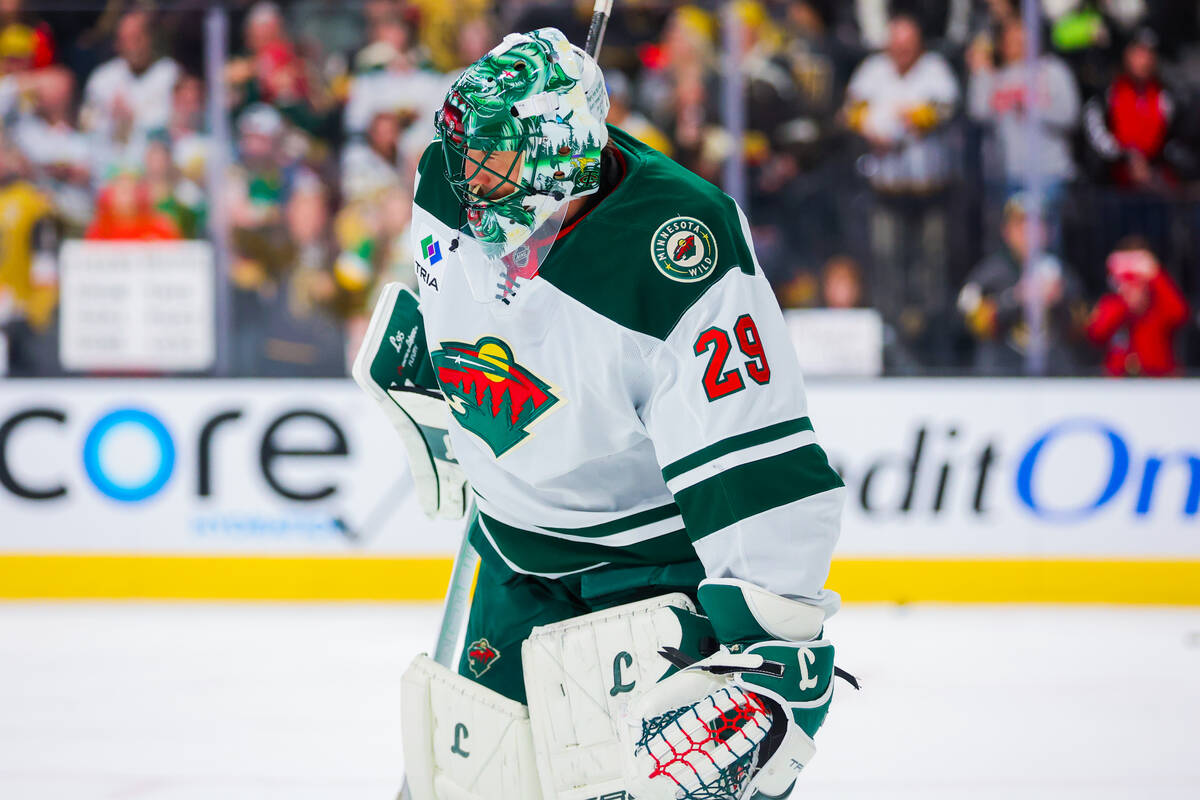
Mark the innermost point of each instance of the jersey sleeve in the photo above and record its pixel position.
(729, 422)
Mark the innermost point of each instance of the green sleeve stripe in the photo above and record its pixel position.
(637, 520)
(735, 443)
(743, 491)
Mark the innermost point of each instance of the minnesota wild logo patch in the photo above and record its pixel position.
(480, 657)
(489, 393)
(684, 249)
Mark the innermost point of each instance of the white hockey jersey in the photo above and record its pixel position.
(637, 401)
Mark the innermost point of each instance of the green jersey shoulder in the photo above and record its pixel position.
(643, 255)
(434, 194)
(653, 247)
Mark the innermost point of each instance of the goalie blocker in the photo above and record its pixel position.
(394, 369)
(601, 687)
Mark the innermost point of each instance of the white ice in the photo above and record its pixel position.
(266, 702)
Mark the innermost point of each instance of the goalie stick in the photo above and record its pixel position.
(601, 11)
(458, 598)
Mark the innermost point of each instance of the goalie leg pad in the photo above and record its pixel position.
(463, 741)
(580, 677)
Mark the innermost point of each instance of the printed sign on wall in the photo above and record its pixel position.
(137, 306)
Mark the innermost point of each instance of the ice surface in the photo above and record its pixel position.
(258, 702)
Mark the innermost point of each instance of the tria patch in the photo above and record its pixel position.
(427, 277)
(684, 249)
(489, 393)
(480, 657)
(432, 249)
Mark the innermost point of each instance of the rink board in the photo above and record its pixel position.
(972, 491)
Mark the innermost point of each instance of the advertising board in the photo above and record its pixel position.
(204, 466)
(1015, 468)
(956, 489)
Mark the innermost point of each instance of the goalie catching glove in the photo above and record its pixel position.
(737, 725)
(393, 367)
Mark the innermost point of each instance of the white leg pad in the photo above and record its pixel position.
(463, 741)
(580, 676)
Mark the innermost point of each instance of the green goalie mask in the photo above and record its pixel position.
(534, 94)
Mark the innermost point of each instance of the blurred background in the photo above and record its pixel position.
(958, 174)
(982, 218)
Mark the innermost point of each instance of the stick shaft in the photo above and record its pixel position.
(458, 598)
(595, 39)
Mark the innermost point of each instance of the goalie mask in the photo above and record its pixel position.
(538, 96)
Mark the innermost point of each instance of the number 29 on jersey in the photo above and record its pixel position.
(723, 377)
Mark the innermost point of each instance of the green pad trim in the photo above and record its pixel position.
(808, 705)
(730, 614)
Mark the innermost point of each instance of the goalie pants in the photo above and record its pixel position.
(508, 605)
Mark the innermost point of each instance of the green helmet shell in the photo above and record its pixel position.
(536, 94)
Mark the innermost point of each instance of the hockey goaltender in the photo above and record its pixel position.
(597, 352)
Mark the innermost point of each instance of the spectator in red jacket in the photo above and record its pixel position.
(1138, 320)
(1130, 126)
(124, 212)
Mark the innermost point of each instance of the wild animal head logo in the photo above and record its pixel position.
(685, 248)
(480, 657)
(489, 393)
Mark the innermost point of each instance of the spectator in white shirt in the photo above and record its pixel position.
(130, 95)
(388, 78)
(899, 101)
(373, 165)
(56, 149)
(190, 142)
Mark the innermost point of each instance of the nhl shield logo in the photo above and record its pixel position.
(684, 249)
(489, 393)
(480, 657)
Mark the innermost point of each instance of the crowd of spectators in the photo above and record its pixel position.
(909, 156)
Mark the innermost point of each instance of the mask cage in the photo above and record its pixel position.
(457, 162)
